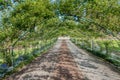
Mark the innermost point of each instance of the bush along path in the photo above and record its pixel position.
(66, 62)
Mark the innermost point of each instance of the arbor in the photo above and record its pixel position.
(104, 13)
(43, 20)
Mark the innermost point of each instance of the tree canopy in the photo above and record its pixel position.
(62, 17)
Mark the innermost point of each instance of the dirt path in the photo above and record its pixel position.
(92, 68)
(66, 62)
(57, 64)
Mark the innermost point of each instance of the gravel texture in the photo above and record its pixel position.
(57, 64)
(92, 67)
(65, 61)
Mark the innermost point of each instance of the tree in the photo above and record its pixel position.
(28, 14)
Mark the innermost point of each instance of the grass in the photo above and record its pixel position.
(113, 46)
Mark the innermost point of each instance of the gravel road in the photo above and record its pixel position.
(65, 61)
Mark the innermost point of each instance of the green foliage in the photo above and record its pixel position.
(4, 4)
(93, 16)
(30, 13)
